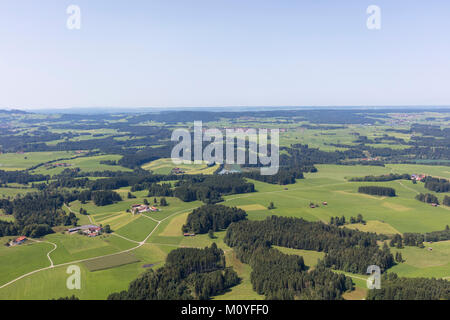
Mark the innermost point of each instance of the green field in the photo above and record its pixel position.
(165, 166)
(12, 192)
(51, 283)
(86, 164)
(22, 161)
(109, 262)
(21, 259)
(309, 257)
(403, 213)
(383, 215)
(423, 262)
(4, 217)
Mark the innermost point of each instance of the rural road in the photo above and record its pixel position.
(52, 265)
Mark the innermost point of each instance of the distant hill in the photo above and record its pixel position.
(14, 111)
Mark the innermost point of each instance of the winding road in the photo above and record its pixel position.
(52, 265)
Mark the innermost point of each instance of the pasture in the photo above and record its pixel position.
(383, 215)
(402, 213)
(310, 257)
(422, 262)
(22, 161)
(51, 283)
(109, 262)
(165, 166)
(86, 164)
(21, 259)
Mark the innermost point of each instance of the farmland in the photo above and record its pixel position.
(110, 262)
(165, 166)
(138, 242)
(402, 214)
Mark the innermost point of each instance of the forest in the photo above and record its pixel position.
(21, 177)
(35, 214)
(400, 288)
(345, 249)
(188, 274)
(417, 239)
(283, 176)
(210, 189)
(436, 184)
(212, 217)
(427, 198)
(293, 280)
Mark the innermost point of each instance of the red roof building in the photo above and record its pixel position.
(20, 239)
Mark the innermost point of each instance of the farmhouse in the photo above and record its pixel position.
(89, 230)
(177, 171)
(225, 171)
(418, 177)
(18, 241)
(62, 164)
(56, 165)
(189, 234)
(142, 208)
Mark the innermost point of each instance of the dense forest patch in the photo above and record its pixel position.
(377, 191)
(188, 274)
(212, 217)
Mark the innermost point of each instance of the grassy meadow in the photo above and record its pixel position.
(162, 233)
(165, 166)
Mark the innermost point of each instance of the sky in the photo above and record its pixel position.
(213, 53)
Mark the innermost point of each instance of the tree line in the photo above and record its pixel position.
(427, 198)
(436, 184)
(282, 177)
(377, 191)
(417, 239)
(382, 178)
(340, 221)
(21, 177)
(400, 288)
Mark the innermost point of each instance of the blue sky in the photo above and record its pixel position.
(195, 53)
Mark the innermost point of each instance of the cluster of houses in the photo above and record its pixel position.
(88, 230)
(177, 171)
(17, 241)
(418, 177)
(225, 171)
(142, 208)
